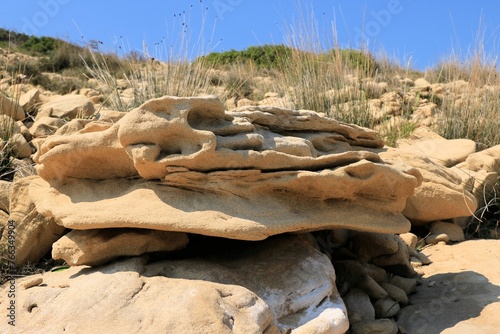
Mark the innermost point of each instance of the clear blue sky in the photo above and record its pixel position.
(425, 30)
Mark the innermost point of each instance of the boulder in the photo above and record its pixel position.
(443, 152)
(442, 194)
(386, 308)
(486, 160)
(292, 277)
(20, 147)
(67, 106)
(95, 247)
(23, 168)
(409, 239)
(480, 183)
(359, 306)
(379, 326)
(187, 165)
(127, 301)
(45, 126)
(34, 234)
(422, 84)
(11, 108)
(30, 99)
(5, 195)
(453, 231)
(395, 293)
(285, 284)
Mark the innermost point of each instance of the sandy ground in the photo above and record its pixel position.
(460, 291)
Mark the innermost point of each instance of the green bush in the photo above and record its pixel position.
(268, 56)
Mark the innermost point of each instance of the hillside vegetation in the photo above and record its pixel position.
(456, 99)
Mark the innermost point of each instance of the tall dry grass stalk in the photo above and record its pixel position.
(471, 101)
(179, 75)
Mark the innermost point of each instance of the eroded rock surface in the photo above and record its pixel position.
(285, 284)
(185, 164)
(118, 298)
(95, 247)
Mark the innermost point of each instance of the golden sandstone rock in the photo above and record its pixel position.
(187, 165)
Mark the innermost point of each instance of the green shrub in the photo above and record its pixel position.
(267, 56)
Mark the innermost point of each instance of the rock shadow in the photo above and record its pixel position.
(444, 300)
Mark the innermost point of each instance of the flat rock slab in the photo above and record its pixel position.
(460, 291)
(255, 212)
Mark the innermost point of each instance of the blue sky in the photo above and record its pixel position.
(424, 31)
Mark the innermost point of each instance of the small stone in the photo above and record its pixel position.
(375, 272)
(380, 326)
(408, 285)
(359, 307)
(45, 126)
(371, 245)
(386, 308)
(340, 236)
(415, 262)
(5, 195)
(67, 106)
(453, 231)
(29, 99)
(419, 271)
(423, 258)
(20, 147)
(410, 239)
(31, 282)
(395, 293)
(11, 108)
(23, 168)
(372, 288)
(421, 83)
(434, 239)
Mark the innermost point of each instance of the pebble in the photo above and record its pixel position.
(434, 239)
(386, 308)
(408, 285)
(34, 281)
(385, 326)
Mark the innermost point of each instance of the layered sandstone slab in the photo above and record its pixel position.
(187, 165)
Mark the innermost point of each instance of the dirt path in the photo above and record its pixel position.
(460, 291)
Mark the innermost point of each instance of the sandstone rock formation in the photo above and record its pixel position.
(442, 195)
(34, 233)
(70, 106)
(95, 247)
(285, 284)
(11, 108)
(186, 165)
(173, 305)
